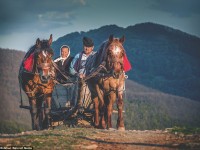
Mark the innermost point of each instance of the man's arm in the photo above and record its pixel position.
(71, 68)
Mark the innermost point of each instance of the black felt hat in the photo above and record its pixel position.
(87, 42)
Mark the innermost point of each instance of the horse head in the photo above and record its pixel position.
(115, 54)
(44, 55)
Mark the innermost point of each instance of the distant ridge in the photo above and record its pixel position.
(163, 58)
(154, 26)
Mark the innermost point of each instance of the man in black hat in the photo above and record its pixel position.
(77, 67)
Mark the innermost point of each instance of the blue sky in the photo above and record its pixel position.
(23, 21)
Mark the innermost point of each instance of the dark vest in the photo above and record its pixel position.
(64, 68)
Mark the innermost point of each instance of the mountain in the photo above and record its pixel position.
(163, 58)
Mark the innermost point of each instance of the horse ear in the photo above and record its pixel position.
(111, 38)
(122, 39)
(37, 42)
(50, 39)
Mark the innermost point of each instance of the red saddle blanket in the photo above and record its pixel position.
(28, 63)
(127, 64)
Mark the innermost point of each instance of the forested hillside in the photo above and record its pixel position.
(147, 108)
(12, 118)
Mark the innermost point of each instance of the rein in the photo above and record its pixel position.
(57, 68)
(96, 71)
(91, 75)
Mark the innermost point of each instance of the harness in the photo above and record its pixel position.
(101, 72)
(34, 84)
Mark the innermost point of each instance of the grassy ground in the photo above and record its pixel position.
(90, 138)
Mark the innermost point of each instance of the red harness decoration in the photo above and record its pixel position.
(28, 63)
(127, 64)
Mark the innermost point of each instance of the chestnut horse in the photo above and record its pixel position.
(38, 85)
(109, 84)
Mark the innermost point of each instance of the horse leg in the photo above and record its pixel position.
(47, 110)
(96, 116)
(34, 114)
(101, 107)
(39, 112)
(120, 105)
(30, 91)
(111, 100)
(94, 96)
(102, 117)
(102, 114)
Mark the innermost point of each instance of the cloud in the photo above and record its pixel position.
(53, 19)
(37, 14)
(83, 2)
(179, 8)
(56, 16)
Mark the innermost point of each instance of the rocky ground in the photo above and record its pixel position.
(89, 138)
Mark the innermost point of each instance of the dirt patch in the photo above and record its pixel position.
(89, 138)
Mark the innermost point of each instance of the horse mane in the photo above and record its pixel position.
(99, 57)
(44, 46)
(101, 53)
(95, 60)
(30, 51)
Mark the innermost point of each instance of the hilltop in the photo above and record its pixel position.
(163, 58)
(89, 138)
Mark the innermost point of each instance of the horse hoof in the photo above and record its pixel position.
(121, 129)
(103, 126)
(111, 129)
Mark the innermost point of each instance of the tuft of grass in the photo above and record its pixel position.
(53, 139)
(11, 127)
(186, 130)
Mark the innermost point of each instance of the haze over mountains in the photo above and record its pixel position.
(163, 86)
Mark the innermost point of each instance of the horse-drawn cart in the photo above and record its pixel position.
(64, 110)
(64, 105)
(70, 103)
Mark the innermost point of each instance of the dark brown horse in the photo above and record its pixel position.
(38, 84)
(110, 83)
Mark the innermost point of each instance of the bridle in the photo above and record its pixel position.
(115, 54)
(44, 66)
